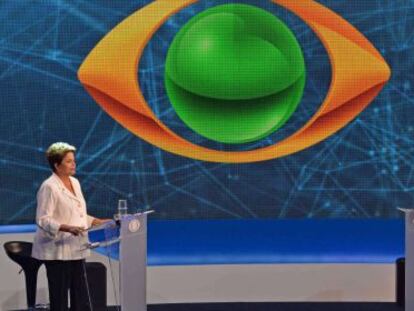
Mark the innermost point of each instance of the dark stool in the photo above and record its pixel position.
(400, 282)
(21, 253)
(96, 273)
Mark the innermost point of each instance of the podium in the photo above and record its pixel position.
(132, 258)
(409, 258)
(133, 262)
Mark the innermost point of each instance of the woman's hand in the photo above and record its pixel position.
(100, 221)
(75, 230)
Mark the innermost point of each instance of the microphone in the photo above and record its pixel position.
(91, 245)
(100, 244)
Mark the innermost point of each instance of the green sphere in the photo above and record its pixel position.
(234, 73)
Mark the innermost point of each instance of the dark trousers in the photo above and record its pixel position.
(67, 276)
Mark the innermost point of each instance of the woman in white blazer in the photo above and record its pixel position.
(61, 238)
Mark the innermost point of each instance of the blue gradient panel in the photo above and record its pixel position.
(201, 242)
(364, 171)
(261, 241)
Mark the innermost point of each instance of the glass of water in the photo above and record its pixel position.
(122, 207)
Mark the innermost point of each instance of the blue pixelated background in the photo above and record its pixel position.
(364, 171)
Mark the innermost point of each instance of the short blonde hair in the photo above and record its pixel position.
(56, 152)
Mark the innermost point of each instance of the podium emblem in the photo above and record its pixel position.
(134, 225)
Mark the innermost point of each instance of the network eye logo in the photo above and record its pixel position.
(247, 88)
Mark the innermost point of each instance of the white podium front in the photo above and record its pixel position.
(409, 258)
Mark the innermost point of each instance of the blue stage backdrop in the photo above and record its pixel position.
(363, 171)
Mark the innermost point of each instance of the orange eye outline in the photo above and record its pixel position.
(109, 74)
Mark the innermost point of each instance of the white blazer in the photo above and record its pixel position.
(56, 205)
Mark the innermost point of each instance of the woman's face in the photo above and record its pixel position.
(68, 165)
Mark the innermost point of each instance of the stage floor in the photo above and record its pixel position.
(281, 306)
